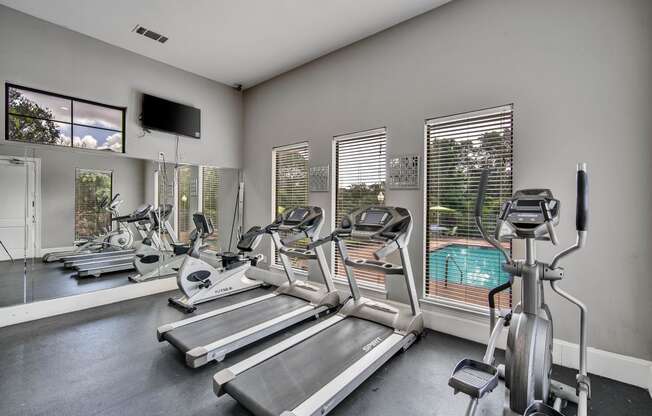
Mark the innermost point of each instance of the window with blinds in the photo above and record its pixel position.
(187, 200)
(165, 180)
(210, 188)
(460, 266)
(360, 168)
(93, 192)
(290, 186)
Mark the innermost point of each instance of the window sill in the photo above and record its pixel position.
(362, 285)
(457, 306)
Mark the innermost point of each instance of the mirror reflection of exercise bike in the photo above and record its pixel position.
(201, 279)
(530, 215)
(152, 261)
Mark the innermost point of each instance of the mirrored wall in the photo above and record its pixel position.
(76, 221)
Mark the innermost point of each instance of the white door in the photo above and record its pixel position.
(18, 226)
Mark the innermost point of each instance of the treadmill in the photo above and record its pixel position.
(212, 335)
(309, 373)
(117, 260)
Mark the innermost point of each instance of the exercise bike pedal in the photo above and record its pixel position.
(474, 378)
(541, 409)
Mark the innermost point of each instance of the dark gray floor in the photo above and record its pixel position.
(49, 281)
(106, 361)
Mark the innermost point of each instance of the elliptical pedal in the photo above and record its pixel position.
(474, 378)
(541, 409)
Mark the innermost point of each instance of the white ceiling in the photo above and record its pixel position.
(230, 41)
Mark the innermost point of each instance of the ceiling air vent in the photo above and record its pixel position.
(150, 34)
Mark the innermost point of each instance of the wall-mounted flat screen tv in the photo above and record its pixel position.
(171, 117)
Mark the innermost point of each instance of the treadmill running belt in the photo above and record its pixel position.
(209, 330)
(286, 380)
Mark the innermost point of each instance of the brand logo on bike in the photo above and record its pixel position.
(224, 289)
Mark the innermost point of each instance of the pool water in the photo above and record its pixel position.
(468, 265)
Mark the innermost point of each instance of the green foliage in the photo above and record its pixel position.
(291, 181)
(30, 129)
(459, 177)
(92, 187)
(357, 196)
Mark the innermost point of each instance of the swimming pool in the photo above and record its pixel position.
(468, 265)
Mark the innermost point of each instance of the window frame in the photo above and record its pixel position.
(275, 149)
(379, 288)
(440, 301)
(123, 131)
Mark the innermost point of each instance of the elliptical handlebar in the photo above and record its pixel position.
(582, 209)
(479, 204)
(581, 215)
(482, 190)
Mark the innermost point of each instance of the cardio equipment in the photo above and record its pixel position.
(96, 264)
(202, 278)
(531, 214)
(121, 237)
(312, 371)
(212, 335)
(151, 261)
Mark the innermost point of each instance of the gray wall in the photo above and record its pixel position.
(58, 168)
(580, 76)
(42, 55)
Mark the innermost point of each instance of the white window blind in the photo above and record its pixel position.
(93, 188)
(210, 190)
(460, 266)
(290, 186)
(360, 168)
(187, 199)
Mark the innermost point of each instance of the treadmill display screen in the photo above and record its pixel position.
(297, 214)
(373, 218)
(533, 203)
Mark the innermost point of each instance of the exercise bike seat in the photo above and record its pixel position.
(541, 409)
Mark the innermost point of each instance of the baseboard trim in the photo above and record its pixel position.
(12, 315)
(49, 250)
(623, 368)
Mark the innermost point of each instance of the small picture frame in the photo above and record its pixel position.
(319, 178)
(403, 172)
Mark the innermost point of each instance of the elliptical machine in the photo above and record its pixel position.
(117, 238)
(201, 280)
(531, 214)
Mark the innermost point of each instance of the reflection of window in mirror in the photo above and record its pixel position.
(210, 185)
(93, 191)
(187, 202)
(197, 190)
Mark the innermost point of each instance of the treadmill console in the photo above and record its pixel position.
(203, 224)
(525, 214)
(377, 223)
(300, 218)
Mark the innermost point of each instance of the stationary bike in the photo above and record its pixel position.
(151, 261)
(531, 214)
(201, 280)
